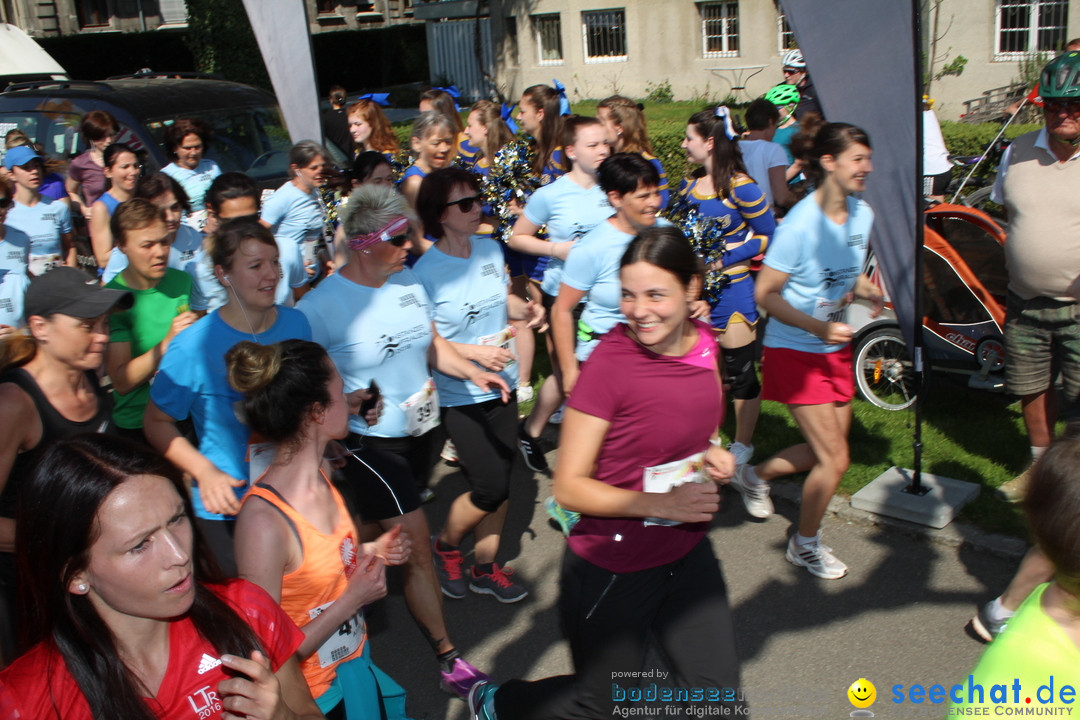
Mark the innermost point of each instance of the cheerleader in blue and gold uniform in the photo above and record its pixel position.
(729, 222)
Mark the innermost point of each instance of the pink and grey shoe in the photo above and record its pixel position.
(460, 680)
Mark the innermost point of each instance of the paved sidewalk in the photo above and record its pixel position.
(898, 618)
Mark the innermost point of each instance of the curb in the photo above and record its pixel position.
(953, 535)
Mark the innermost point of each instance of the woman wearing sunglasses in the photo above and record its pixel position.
(465, 276)
(376, 321)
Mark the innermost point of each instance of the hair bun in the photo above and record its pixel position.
(251, 366)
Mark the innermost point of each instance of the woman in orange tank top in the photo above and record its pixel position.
(294, 535)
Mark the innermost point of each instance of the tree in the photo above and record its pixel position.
(954, 66)
(222, 42)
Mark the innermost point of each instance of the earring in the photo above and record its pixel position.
(82, 587)
(366, 252)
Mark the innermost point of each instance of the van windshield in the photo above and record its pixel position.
(248, 140)
(252, 140)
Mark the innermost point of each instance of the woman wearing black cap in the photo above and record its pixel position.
(48, 391)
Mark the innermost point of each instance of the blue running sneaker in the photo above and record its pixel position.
(567, 519)
(482, 700)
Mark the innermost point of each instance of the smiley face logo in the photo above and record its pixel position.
(862, 693)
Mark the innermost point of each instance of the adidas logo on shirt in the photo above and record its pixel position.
(208, 663)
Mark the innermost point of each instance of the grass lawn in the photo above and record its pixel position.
(967, 434)
(674, 112)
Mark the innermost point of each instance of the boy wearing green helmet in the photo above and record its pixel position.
(785, 97)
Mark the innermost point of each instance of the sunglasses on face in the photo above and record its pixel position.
(398, 240)
(5, 203)
(465, 204)
(792, 71)
(1055, 106)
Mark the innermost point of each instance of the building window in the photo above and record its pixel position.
(548, 39)
(785, 36)
(605, 35)
(1028, 26)
(92, 13)
(173, 12)
(326, 7)
(720, 28)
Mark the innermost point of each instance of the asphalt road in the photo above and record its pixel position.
(898, 618)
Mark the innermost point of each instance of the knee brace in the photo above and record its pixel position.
(739, 366)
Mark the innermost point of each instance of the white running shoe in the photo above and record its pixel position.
(524, 393)
(815, 557)
(556, 418)
(754, 496)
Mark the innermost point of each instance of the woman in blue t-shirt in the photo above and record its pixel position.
(568, 208)
(122, 170)
(465, 278)
(192, 381)
(375, 320)
(812, 271)
(296, 213)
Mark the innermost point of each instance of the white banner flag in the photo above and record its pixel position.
(281, 29)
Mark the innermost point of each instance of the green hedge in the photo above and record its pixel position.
(973, 139)
(667, 137)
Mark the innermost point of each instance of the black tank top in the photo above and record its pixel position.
(54, 426)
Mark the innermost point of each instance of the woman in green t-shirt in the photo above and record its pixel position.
(138, 337)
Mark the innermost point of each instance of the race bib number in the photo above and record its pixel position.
(421, 410)
(827, 310)
(41, 264)
(345, 641)
(309, 249)
(661, 478)
(506, 339)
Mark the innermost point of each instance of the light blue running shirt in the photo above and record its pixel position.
(569, 211)
(823, 260)
(469, 296)
(379, 334)
(40, 227)
(593, 268)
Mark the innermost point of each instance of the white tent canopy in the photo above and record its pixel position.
(21, 56)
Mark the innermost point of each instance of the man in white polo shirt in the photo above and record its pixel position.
(1037, 184)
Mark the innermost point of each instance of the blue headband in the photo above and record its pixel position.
(377, 98)
(564, 104)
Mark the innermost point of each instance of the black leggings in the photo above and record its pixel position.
(609, 618)
(485, 435)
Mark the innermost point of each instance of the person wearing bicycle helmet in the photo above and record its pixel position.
(786, 98)
(1037, 184)
(795, 73)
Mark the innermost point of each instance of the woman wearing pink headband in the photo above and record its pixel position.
(376, 322)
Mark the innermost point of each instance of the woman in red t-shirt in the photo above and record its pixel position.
(641, 466)
(128, 618)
